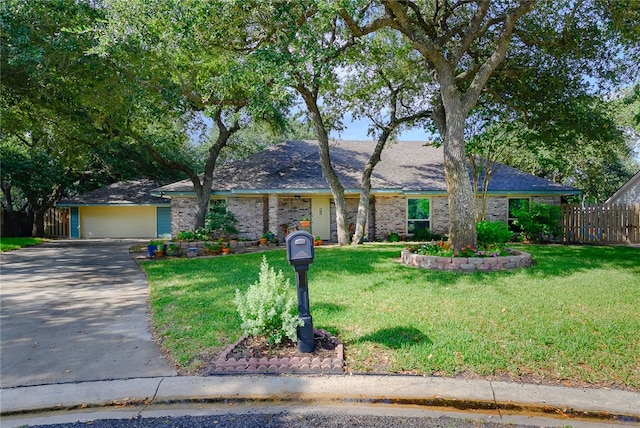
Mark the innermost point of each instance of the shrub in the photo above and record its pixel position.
(539, 222)
(267, 309)
(199, 234)
(493, 233)
(220, 222)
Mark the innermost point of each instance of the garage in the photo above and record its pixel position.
(121, 210)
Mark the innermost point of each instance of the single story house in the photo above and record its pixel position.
(273, 189)
(629, 193)
(121, 210)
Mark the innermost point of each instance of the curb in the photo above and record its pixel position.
(502, 398)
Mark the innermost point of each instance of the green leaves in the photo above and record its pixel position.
(267, 309)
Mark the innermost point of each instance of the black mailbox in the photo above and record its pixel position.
(300, 248)
(300, 256)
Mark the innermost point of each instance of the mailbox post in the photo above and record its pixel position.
(300, 255)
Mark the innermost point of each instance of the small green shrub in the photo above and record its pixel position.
(267, 309)
(493, 233)
(199, 234)
(393, 237)
(539, 222)
(220, 222)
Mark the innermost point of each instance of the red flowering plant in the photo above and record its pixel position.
(467, 251)
(440, 249)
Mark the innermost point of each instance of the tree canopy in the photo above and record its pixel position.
(89, 84)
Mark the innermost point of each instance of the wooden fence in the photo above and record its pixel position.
(56, 223)
(606, 224)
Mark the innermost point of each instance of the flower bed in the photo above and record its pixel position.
(236, 246)
(516, 259)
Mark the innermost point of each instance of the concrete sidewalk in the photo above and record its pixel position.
(497, 400)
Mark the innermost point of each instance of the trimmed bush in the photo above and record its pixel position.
(493, 233)
(267, 309)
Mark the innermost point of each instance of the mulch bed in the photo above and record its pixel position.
(255, 355)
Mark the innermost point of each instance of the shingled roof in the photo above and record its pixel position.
(406, 167)
(124, 193)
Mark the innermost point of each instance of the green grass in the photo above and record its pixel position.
(9, 244)
(574, 316)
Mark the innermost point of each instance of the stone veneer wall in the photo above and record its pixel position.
(248, 211)
(289, 211)
(250, 215)
(440, 214)
(387, 213)
(391, 215)
(497, 208)
(517, 259)
(182, 214)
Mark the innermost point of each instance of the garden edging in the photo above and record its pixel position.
(279, 365)
(517, 259)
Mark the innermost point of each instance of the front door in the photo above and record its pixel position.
(321, 218)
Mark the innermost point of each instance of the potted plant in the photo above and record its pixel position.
(305, 222)
(264, 238)
(317, 241)
(212, 247)
(154, 246)
(226, 248)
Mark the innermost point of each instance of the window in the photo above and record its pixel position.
(515, 204)
(418, 214)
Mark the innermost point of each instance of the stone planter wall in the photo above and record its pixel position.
(518, 259)
(199, 246)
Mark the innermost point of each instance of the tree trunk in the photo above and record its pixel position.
(27, 227)
(38, 222)
(337, 190)
(450, 120)
(11, 225)
(365, 188)
(462, 231)
(203, 197)
(202, 188)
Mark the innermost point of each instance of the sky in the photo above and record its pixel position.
(357, 130)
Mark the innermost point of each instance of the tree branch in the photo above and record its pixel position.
(485, 71)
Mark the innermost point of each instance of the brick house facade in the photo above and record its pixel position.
(273, 189)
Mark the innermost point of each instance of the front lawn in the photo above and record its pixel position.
(573, 318)
(8, 244)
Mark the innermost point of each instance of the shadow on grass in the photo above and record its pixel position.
(397, 337)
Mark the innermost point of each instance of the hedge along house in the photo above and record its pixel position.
(121, 210)
(273, 189)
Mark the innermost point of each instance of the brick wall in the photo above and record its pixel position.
(497, 208)
(387, 213)
(440, 214)
(250, 213)
(182, 214)
(391, 215)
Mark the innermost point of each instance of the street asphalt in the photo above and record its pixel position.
(75, 345)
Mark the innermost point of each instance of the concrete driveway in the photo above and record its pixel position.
(75, 310)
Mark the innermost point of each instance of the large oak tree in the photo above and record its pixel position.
(465, 43)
